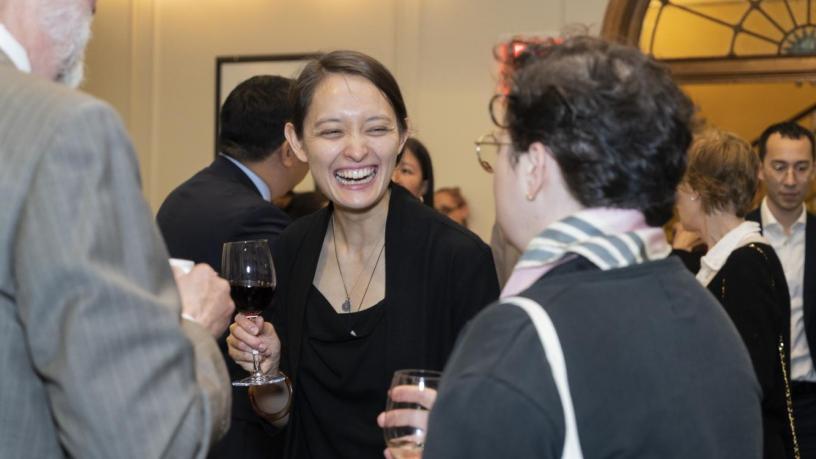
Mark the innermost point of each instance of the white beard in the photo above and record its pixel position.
(67, 24)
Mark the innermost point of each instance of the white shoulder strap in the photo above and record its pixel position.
(555, 357)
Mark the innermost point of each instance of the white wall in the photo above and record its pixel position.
(155, 62)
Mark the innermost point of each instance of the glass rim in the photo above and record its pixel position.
(418, 372)
(265, 241)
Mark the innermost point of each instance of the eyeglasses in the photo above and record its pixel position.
(487, 150)
(497, 108)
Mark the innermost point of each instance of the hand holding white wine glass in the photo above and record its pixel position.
(248, 267)
(405, 420)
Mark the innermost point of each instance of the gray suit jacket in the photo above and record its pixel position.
(93, 360)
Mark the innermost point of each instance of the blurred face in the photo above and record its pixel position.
(455, 209)
(351, 140)
(689, 208)
(409, 174)
(787, 172)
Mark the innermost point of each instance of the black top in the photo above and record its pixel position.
(438, 275)
(752, 289)
(809, 281)
(340, 381)
(655, 368)
(221, 204)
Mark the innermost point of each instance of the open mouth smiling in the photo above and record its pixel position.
(356, 176)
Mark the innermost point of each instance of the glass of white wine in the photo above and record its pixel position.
(410, 398)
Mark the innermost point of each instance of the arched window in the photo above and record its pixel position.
(709, 41)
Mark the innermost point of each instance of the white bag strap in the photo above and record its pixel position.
(555, 357)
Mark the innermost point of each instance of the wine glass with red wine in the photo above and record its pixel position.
(247, 266)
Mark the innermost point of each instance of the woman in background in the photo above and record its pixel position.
(740, 268)
(414, 171)
(449, 201)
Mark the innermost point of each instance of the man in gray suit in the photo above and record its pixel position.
(95, 359)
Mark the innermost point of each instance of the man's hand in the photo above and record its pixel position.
(205, 298)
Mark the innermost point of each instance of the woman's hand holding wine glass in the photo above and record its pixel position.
(248, 267)
(253, 333)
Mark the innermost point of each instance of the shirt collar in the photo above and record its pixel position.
(745, 232)
(769, 220)
(257, 181)
(14, 50)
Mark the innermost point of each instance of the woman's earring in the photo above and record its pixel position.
(530, 196)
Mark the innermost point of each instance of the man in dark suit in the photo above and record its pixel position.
(787, 154)
(230, 201)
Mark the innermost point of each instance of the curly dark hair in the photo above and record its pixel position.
(616, 123)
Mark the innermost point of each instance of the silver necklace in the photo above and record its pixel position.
(346, 306)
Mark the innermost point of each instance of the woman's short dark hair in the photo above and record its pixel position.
(344, 62)
(426, 167)
(613, 118)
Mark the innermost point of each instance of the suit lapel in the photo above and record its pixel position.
(809, 284)
(755, 216)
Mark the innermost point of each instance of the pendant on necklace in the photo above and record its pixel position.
(346, 307)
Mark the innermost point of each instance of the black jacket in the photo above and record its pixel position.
(751, 287)
(655, 369)
(809, 286)
(218, 204)
(221, 204)
(438, 276)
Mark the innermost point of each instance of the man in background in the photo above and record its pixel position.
(96, 361)
(787, 154)
(230, 201)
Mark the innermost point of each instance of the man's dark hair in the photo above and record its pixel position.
(788, 130)
(616, 123)
(345, 62)
(253, 117)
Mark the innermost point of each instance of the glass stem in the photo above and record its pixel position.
(256, 364)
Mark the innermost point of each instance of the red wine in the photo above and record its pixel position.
(252, 299)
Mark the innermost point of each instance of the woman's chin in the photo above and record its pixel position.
(359, 198)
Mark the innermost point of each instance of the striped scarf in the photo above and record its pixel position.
(608, 238)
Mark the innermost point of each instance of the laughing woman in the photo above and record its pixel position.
(373, 283)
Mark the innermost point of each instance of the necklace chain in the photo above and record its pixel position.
(346, 307)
